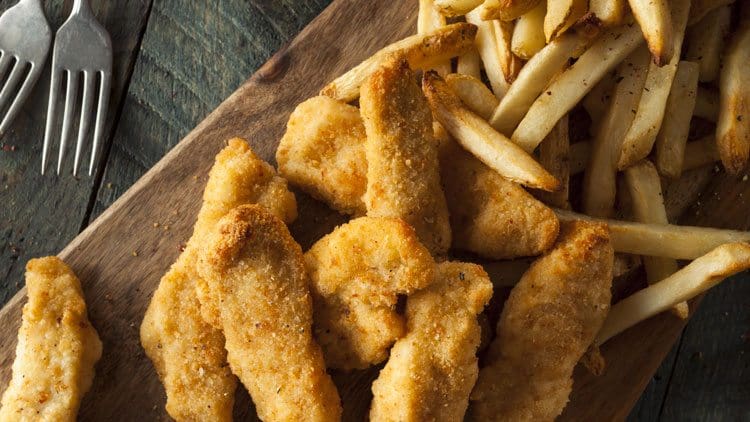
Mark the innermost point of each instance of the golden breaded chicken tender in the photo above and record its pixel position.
(547, 324)
(403, 178)
(323, 152)
(432, 370)
(492, 216)
(57, 347)
(188, 352)
(356, 273)
(256, 271)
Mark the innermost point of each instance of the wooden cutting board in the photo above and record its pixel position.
(121, 256)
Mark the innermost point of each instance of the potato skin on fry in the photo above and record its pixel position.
(356, 273)
(491, 216)
(506, 10)
(198, 383)
(57, 347)
(432, 369)
(256, 271)
(546, 326)
(403, 178)
(323, 153)
(733, 123)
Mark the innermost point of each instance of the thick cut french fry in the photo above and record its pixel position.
(470, 64)
(655, 20)
(707, 104)
(422, 51)
(647, 204)
(648, 119)
(561, 15)
(509, 62)
(473, 93)
(733, 123)
(671, 140)
(506, 10)
(579, 157)
(599, 182)
(597, 101)
(665, 240)
(456, 7)
(700, 153)
(608, 12)
(700, 8)
(695, 278)
(532, 80)
(479, 138)
(705, 42)
(554, 155)
(430, 19)
(528, 35)
(567, 90)
(490, 52)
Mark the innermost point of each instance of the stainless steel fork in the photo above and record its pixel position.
(82, 49)
(25, 38)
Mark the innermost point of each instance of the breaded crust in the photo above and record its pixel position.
(357, 272)
(491, 216)
(256, 271)
(403, 178)
(57, 347)
(433, 368)
(547, 324)
(323, 153)
(186, 350)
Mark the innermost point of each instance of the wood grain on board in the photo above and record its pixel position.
(122, 255)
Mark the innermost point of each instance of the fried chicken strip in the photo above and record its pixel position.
(546, 326)
(188, 352)
(492, 216)
(323, 153)
(403, 178)
(433, 368)
(256, 272)
(357, 272)
(57, 347)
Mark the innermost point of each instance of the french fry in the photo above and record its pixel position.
(705, 42)
(561, 15)
(579, 157)
(599, 182)
(509, 62)
(647, 204)
(701, 8)
(596, 102)
(707, 104)
(473, 93)
(506, 10)
(430, 19)
(456, 7)
(470, 64)
(700, 153)
(422, 51)
(648, 119)
(608, 12)
(478, 137)
(566, 91)
(655, 20)
(554, 155)
(490, 52)
(673, 135)
(733, 123)
(532, 80)
(665, 240)
(528, 35)
(697, 277)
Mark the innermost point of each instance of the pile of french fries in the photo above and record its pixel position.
(643, 70)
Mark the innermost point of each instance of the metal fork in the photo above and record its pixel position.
(82, 48)
(25, 38)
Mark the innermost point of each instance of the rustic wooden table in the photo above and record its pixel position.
(176, 60)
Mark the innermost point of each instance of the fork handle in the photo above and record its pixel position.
(36, 3)
(81, 7)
